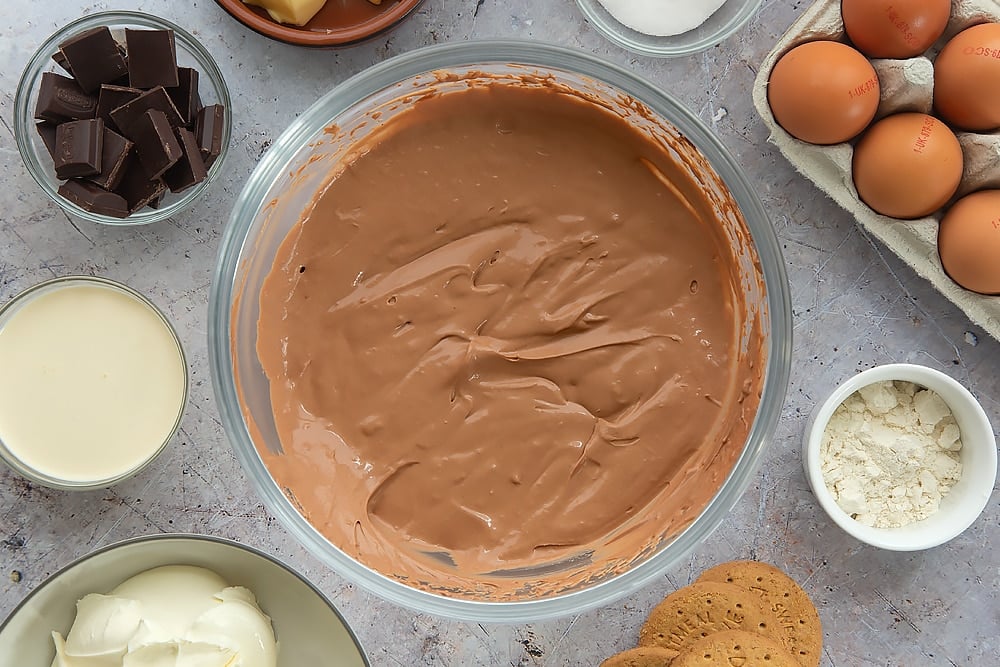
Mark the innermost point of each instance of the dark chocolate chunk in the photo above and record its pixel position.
(60, 99)
(136, 186)
(122, 81)
(79, 148)
(116, 151)
(47, 131)
(185, 94)
(208, 131)
(190, 169)
(156, 98)
(152, 58)
(60, 58)
(94, 58)
(110, 98)
(92, 198)
(155, 143)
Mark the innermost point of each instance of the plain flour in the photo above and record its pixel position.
(890, 454)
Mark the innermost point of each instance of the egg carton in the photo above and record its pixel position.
(907, 85)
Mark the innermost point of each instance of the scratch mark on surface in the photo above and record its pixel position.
(78, 230)
(100, 541)
(562, 638)
(487, 645)
(895, 610)
(807, 245)
(916, 304)
(49, 267)
(215, 420)
(173, 223)
(824, 309)
(761, 507)
(393, 658)
(11, 132)
(813, 574)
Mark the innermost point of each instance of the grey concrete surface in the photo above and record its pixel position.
(855, 306)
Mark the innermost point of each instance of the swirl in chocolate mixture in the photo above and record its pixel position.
(497, 339)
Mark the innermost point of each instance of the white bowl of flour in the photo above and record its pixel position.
(901, 457)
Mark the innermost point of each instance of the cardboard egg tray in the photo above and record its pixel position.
(907, 85)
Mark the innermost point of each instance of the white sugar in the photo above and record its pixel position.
(662, 18)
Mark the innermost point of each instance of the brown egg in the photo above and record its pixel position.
(907, 165)
(895, 28)
(823, 92)
(967, 79)
(969, 242)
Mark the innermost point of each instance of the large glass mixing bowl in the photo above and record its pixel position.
(297, 166)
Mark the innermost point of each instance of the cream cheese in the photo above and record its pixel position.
(171, 616)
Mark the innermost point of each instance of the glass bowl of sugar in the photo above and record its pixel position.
(902, 457)
(668, 28)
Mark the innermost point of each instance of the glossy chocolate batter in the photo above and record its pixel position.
(504, 336)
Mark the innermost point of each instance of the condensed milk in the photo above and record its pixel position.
(93, 382)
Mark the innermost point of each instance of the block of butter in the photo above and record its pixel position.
(295, 12)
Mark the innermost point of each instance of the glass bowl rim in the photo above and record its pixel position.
(622, 35)
(537, 54)
(24, 116)
(30, 473)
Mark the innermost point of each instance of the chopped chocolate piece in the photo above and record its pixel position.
(60, 58)
(122, 81)
(92, 198)
(79, 146)
(152, 58)
(156, 98)
(116, 151)
(190, 169)
(110, 98)
(185, 94)
(61, 98)
(155, 143)
(47, 131)
(136, 186)
(208, 131)
(94, 58)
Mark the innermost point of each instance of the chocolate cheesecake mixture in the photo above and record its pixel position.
(505, 339)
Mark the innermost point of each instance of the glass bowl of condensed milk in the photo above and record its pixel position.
(499, 331)
(94, 382)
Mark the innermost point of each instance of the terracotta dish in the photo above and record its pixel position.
(338, 23)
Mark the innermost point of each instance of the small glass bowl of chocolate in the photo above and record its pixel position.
(122, 118)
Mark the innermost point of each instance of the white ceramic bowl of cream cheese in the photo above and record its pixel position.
(978, 456)
(308, 628)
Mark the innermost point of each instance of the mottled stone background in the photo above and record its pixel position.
(855, 306)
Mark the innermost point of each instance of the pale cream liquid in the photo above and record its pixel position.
(91, 383)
